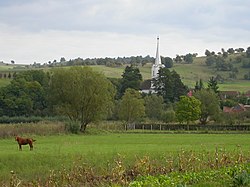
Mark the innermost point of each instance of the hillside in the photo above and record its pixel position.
(190, 73)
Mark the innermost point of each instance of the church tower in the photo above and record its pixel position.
(157, 65)
(147, 85)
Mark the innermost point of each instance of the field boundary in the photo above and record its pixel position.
(174, 127)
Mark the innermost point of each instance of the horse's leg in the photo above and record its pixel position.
(31, 146)
(20, 147)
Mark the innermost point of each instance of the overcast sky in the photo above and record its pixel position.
(42, 30)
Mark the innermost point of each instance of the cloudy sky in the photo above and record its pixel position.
(43, 30)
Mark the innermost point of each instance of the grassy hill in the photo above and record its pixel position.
(190, 73)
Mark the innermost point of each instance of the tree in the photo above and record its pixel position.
(225, 55)
(212, 85)
(25, 95)
(188, 58)
(209, 104)
(199, 85)
(131, 78)
(167, 61)
(248, 52)
(188, 109)
(62, 60)
(169, 85)
(230, 51)
(207, 53)
(178, 59)
(132, 106)
(210, 60)
(154, 106)
(81, 94)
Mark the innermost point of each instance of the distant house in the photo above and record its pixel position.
(236, 109)
(229, 94)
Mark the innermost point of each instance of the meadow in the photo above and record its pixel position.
(111, 154)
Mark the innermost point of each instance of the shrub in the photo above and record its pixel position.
(73, 127)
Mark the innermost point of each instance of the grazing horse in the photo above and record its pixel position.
(24, 141)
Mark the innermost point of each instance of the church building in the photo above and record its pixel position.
(147, 85)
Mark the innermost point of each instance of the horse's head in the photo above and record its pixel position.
(16, 138)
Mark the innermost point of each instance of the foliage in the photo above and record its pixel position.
(25, 95)
(81, 94)
(132, 106)
(154, 106)
(248, 52)
(188, 58)
(247, 76)
(188, 109)
(246, 62)
(209, 104)
(168, 116)
(213, 85)
(167, 61)
(169, 85)
(131, 78)
(238, 175)
(199, 85)
(72, 126)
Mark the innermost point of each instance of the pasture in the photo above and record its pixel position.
(101, 152)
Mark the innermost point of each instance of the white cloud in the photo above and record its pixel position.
(44, 30)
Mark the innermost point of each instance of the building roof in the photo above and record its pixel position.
(145, 85)
(235, 109)
(226, 94)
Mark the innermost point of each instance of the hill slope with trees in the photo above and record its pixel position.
(231, 67)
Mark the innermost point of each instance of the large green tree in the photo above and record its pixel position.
(131, 78)
(132, 106)
(154, 106)
(25, 95)
(169, 85)
(188, 109)
(81, 94)
(210, 105)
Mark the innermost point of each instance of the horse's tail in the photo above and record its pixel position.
(33, 140)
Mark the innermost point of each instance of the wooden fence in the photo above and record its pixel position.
(170, 127)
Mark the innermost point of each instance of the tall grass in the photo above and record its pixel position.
(41, 128)
(113, 156)
(119, 173)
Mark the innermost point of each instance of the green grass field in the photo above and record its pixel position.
(55, 152)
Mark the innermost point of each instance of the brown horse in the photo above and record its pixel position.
(24, 141)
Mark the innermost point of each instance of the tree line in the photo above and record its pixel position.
(84, 96)
(109, 62)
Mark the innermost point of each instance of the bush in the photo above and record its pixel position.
(168, 116)
(73, 127)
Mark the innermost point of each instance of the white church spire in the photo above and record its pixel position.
(158, 58)
(157, 65)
